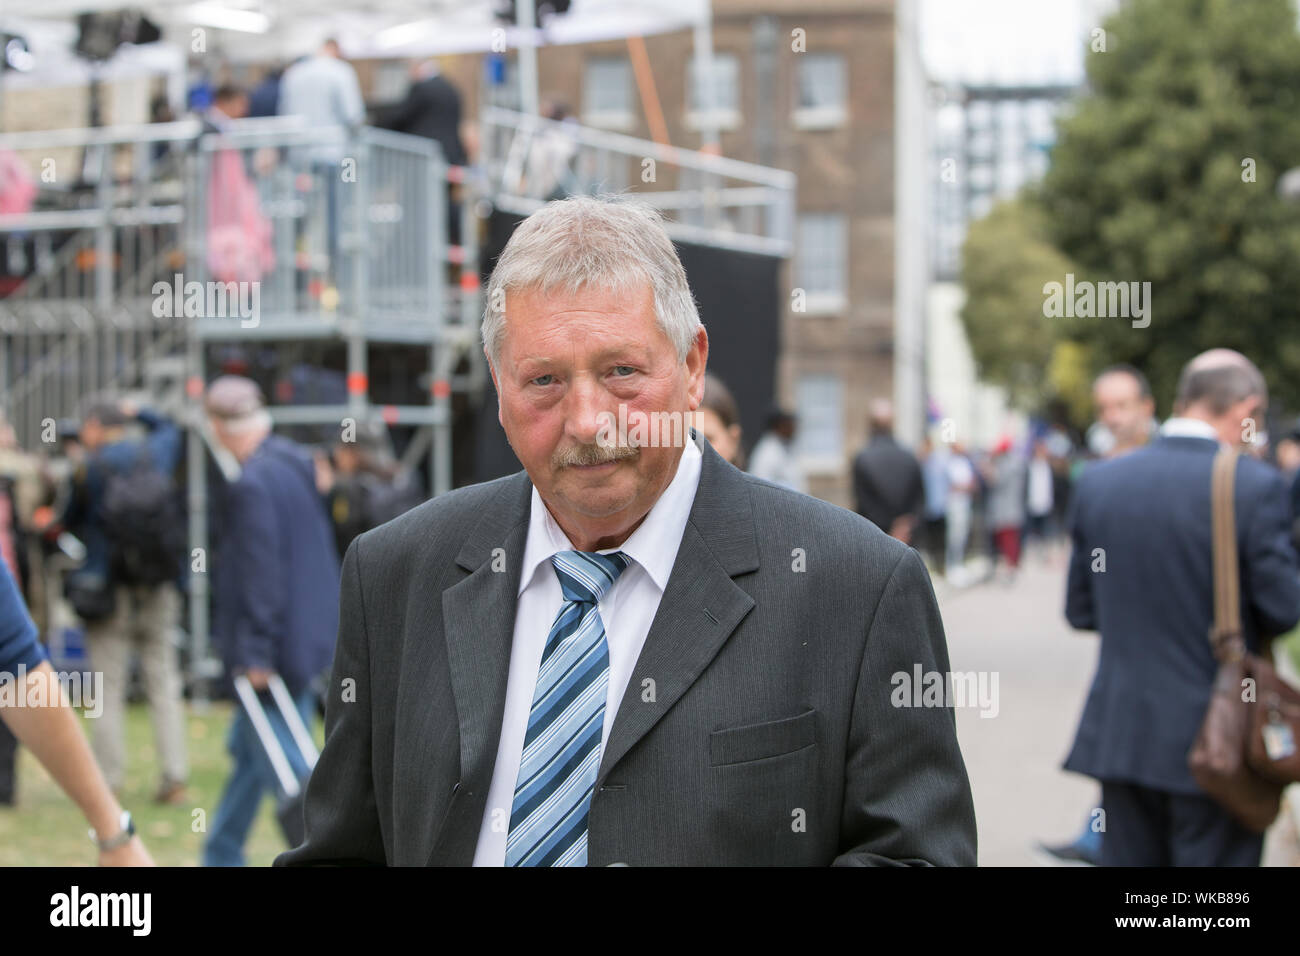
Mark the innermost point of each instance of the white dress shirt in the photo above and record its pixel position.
(627, 610)
(1188, 428)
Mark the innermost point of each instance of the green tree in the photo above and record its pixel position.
(1006, 261)
(1166, 172)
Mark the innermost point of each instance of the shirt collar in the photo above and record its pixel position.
(654, 543)
(1188, 428)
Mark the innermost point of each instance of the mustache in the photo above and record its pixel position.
(591, 455)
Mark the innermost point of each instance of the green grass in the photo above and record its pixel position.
(45, 828)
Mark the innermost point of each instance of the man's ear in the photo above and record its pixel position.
(495, 384)
(697, 359)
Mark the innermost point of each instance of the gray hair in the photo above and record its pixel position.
(599, 242)
(1221, 378)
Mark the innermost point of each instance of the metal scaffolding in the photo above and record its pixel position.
(268, 232)
(174, 241)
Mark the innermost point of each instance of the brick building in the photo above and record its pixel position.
(818, 102)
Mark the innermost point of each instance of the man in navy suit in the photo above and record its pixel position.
(1141, 574)
(276, 595)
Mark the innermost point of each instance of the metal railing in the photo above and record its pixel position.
(347, 227)
(338, 235)
(132, 219)
(704, 198)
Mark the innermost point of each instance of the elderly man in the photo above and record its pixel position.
(631, 652)
(1146, 517)
(276, 595)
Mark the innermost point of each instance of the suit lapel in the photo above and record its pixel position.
(478, 619)
(700, 608)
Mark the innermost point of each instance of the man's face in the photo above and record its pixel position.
(1121, 407)
(92, 433)
(220, 433)
(567, 364)
(1288, 455)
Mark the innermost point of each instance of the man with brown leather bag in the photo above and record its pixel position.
(1183, 686)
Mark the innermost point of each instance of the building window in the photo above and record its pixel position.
(822, 90)
(726, 93)
(607, 93)
(821, 261)
(819, 404)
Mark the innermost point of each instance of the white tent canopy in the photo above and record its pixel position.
(256, 30)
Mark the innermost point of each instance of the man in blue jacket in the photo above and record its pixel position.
(1141, 574)
(276, 595)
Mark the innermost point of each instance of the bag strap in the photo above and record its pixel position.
(1225, 634)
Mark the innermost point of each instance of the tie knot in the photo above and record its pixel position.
(585, 576)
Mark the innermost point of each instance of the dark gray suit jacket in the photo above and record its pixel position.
(769, 737)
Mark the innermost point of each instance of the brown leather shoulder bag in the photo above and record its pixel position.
(1221, 758)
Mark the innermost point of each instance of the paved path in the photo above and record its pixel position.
(1044, 668)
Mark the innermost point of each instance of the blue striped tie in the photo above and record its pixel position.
(557, 771)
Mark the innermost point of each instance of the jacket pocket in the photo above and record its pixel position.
(757, 741)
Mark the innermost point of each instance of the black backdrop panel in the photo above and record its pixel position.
(738, 295)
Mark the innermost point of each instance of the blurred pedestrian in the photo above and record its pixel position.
(962, 486)
(229, 104)
(238, 231)
(718, 419)
(432, 109)
(366, 488)
(126, 509)
(52, 731)
(1125, 409)
(773, 458)
(19, 488)
(23, 488)
(324, 91)
(888, 488)
(1005, 515)
(934, 517)
(550, 156)
(1147, 515)
(1039, 500)
(265, 98)
(276, 596)
(1125, 420)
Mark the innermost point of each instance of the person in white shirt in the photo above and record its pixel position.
(773, 458)
(323, 90)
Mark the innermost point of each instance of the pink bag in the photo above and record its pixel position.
(239, 235)
(17, 185)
